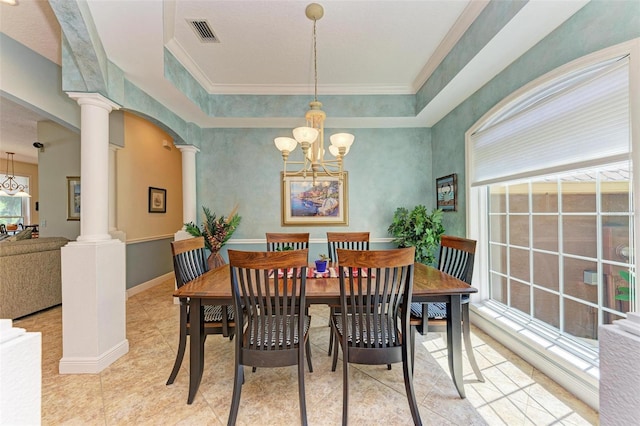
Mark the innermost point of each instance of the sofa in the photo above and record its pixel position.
(30, 275)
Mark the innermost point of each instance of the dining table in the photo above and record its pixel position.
(429, 285)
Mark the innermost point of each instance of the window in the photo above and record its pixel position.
(550, 171)
(14, 210)
(557, 245)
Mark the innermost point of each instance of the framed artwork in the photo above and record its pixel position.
(447, 193)
(73, 197)
(157, 200)
(304, 204)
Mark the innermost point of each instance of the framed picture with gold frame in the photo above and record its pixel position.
(323, 204)
(73, 197)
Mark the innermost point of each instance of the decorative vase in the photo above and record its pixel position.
(321, 265)
(215, 260)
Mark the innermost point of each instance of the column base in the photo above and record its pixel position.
(92, 365)
(93, 305)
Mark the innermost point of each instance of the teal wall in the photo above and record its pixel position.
(598, 25)
(387, 168)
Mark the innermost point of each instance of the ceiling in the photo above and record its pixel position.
(364, 47)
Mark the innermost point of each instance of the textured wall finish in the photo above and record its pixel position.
(387, 168)
(619, 376)
(597, 25)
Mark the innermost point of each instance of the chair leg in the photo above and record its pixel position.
(345, 384)
(330, 332)
(301, 392)
(413, 348)
(466, 334)
(237, 389)
(334, 362)
(407, 369)
(308, 349)
(182, 344)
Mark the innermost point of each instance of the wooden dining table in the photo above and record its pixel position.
(429, 285)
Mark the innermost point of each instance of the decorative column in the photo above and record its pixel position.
(113, 195)
(189, 208)
(93, 267)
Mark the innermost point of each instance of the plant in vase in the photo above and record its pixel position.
(216, 232)
(321, 264)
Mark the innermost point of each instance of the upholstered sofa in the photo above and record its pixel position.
(30, 275)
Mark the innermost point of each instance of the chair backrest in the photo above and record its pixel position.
(269, 289)
(456, 257)
(278, 241)
(346, 240)
(375, 288)
(189, 260)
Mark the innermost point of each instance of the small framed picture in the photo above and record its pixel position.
(73, 197)
(157, 200)
(447, 193)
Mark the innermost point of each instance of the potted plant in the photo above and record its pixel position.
(321, 264)
(419, 229)
(216, 232)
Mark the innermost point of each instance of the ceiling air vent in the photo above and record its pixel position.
(203, 30)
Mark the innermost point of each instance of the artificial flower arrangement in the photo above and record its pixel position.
(215, 230)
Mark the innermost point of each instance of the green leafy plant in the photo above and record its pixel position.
(323, 257)
(419, 229)
(625, 292)
(284, 248)
(215, 230)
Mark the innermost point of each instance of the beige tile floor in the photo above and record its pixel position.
(132, 390)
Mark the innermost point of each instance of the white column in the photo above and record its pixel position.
(113, 194)
(189, 208)
(94, 165)
(94, 266)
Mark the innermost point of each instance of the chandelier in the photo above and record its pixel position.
(311, 136)
(9, 186)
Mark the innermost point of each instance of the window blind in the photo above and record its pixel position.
(583, 123)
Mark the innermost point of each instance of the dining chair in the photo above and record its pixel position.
(280, 241)
(456, 259)
(373, 325)
(268, 293)
(344, 240)
(189, 262)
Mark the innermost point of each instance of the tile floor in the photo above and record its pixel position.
(133, 391)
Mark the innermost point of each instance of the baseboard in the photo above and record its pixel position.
(558, 370)
(93, 365)
(149, 284)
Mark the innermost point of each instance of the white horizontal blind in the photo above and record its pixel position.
(586, 122)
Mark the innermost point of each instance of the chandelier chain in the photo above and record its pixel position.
(315, 62)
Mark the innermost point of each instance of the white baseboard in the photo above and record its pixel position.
(149, 284)
(93, 365)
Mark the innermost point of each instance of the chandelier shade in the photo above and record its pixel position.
(311, 137)
(9, 186)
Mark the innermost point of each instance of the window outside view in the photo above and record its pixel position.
(560, 246)
(12, 208)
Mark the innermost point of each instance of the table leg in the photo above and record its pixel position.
(454, 342)
(196, 348)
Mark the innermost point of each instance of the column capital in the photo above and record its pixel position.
(188, 148)
(95, 99)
